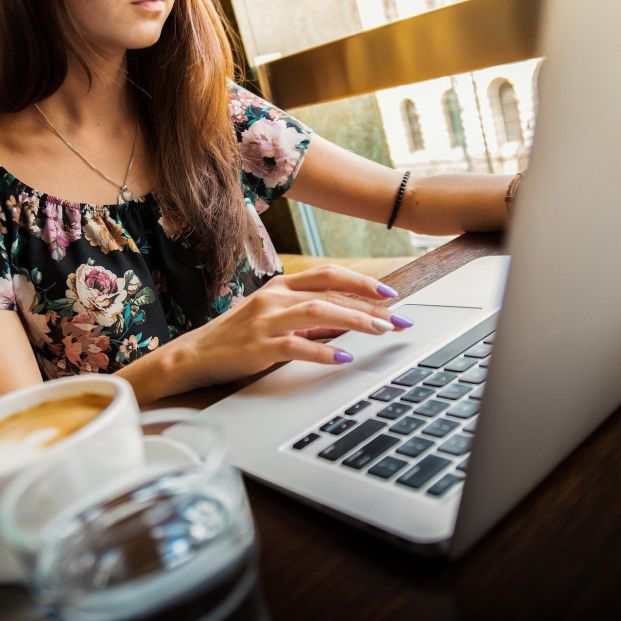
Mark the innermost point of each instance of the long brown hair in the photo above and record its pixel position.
(196, 159)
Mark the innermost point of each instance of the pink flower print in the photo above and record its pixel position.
(83, 344)
(61, 227)
(97, 290)
(269, 151)
(225, 290)
(259, 248)
(26, 299)
(25, 211)
(236, 299)
(240, 101)
(7, 297)
(129, 346)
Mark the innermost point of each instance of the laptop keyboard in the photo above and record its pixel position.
(416, 430)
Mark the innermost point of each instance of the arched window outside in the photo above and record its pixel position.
(452, 114)
(509, 112)
(413, 130)
(391, 11)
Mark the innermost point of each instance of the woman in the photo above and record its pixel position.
(125, 233)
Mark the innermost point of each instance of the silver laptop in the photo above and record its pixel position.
(427, 438)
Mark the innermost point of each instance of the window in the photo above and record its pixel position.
(452, 115)
(391, 11)
(411, 121)
(510, 124)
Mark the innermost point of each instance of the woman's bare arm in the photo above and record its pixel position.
(336, 179)
(271, 325)
(18, 367)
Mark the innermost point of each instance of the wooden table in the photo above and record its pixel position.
(557, 556)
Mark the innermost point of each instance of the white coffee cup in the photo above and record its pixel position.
(104, 448)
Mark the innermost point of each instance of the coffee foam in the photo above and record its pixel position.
(24, 435)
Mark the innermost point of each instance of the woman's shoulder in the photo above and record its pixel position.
(19, 137)
(15, 129)
(247, 108)
(272, 145)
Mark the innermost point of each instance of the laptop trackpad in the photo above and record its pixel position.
(431, 323)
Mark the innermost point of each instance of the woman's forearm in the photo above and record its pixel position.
(335, 179)
(156, 375)
(446, 204)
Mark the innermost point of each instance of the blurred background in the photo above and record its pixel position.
(321, 61)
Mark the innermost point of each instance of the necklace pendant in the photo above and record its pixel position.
(125, 195)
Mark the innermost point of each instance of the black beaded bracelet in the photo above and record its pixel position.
(399, 199)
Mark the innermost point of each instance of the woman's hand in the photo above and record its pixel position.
(276, 323)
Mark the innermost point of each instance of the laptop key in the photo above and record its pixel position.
(394, 410)
(488, 340)
(439, 428)
(464, 465)
(456, 445)
(474, 376)
(357, 407)
(338, 425)
(386, 467)
(411, 377)
(431, 408)
(414, 447)
(459, 365)
(465, 409)
(407, 425)
(370, 451)
(416, 395)
(439, 379)
(351, 439)
(471, 426)
(485, 363)
(305, 441)
(386, 393)
(454, 391)
(439, 488)
(479, 351)
(424, 470)
(444, 355)
(477, 393)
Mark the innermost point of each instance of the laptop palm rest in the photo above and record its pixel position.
(380, 354)
(292, 397)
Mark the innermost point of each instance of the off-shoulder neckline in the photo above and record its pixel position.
(97, 206)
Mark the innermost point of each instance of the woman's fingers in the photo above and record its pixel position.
(376, 310)
(337, 278)
(293, 347)
(315, 314)
(320, 333)
(277, 297)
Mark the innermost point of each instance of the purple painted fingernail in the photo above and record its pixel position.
(343, 356)
(386, 291)
(401, 322)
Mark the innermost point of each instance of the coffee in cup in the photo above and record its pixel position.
(27, 433)
(91, 420)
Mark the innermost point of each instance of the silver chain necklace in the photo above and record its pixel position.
(125, 194)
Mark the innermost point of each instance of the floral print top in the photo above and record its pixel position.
(98, 286)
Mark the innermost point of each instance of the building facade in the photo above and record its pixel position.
(481, 121)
